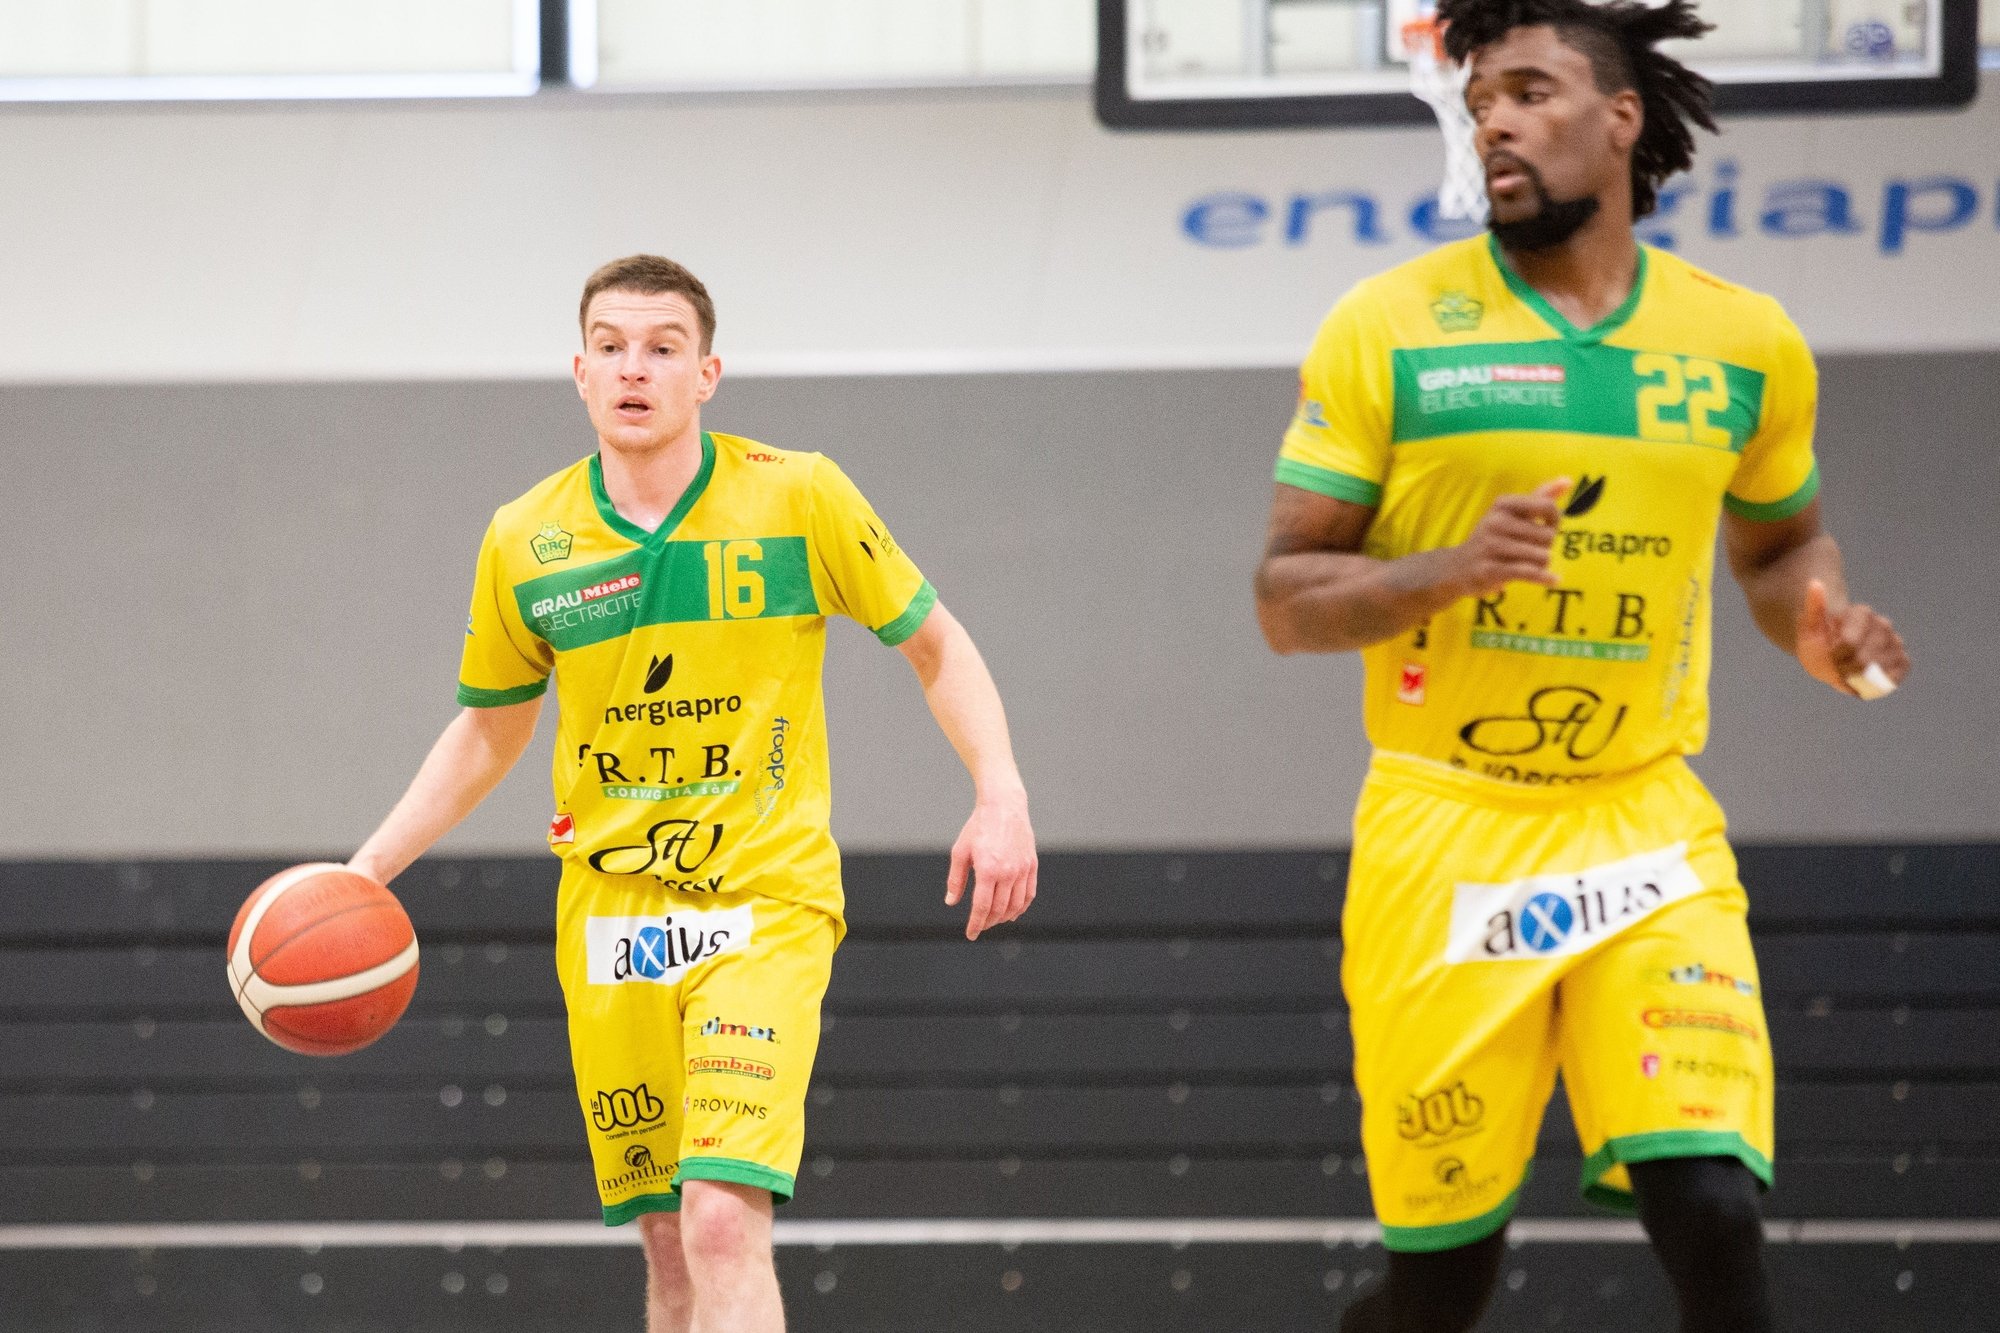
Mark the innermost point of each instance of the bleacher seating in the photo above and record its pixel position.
(1162, 1037)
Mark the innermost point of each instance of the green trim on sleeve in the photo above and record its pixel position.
(1428, 1240)
(1775, 510)
(1325, 481)
(736, 1172)
(1661, 1145)
(620, 1214)
(471, 696)
(912, 619)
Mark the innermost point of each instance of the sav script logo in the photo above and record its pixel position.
(1554, 916)
(660, 949)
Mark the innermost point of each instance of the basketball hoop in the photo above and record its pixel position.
(1440, 82)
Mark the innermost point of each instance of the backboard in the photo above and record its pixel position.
(1219, 64)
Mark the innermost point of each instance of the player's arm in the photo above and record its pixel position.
(1316, 592)
(1792, 576)
(476, 750)
(997, 844)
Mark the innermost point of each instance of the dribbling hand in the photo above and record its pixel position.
(1512, 543)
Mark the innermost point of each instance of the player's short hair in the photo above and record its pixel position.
(1618, 39)
(650, 275)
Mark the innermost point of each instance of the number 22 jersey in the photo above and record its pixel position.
(1440, 385)
(691, 742)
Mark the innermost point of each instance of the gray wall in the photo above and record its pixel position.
(233, 613)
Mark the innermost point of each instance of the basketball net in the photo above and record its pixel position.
(1440, 82)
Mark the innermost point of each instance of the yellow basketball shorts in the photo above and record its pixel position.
(693, 1022)
(1489, 945)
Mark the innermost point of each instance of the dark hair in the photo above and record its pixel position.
(650, 275)
(1618, 40)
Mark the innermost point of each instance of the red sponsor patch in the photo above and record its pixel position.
(1411, 686)
(609, 587)
(1529, 374)
(562, 828)
(1649, 1065)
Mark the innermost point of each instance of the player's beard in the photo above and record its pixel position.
(1550, 224)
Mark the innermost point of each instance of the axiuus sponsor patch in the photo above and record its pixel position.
(1553, 916)
(660, 949)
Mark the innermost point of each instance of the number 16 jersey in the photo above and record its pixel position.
(1440, 385)
(691, 743)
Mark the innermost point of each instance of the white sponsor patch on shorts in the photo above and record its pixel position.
(1553, 916)
(661, 949)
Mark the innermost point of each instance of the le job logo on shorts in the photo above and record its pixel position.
(661, 949)
(1553, 916)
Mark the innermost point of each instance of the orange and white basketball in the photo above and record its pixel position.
(323, 960)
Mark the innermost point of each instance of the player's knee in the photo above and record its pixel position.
(660, 1237)
(724, 1226)
(1699, 1203)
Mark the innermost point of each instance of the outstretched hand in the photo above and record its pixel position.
(1852, 647)
(997, 850)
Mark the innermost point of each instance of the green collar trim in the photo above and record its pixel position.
(631, 531)
(1555, 318)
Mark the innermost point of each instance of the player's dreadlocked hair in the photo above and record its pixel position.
(1618, 38)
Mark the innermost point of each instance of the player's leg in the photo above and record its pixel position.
(750, 1029)
(1706, 1224)
(726, 1238)
(669, 1290)
(1442, 1292)
(1454, 1061)
(1668, 1069)
(625, 1046)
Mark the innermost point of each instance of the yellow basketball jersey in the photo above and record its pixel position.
(691, 746)
(1444, 383)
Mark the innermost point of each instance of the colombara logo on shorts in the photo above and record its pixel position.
(729, 1064)
(1553, 916)
(1701, 1020)
(660, 949)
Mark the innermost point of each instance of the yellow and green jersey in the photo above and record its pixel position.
(1440, 385)
(691, 742)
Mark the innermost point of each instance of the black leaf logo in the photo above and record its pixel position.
(867, 550)
(662, 671)
(1589, 490)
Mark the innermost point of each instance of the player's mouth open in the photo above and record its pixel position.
(633, 407)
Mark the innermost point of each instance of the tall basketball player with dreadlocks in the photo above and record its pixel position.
(1503, 487)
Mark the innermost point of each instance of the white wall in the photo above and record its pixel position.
(971, 230)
